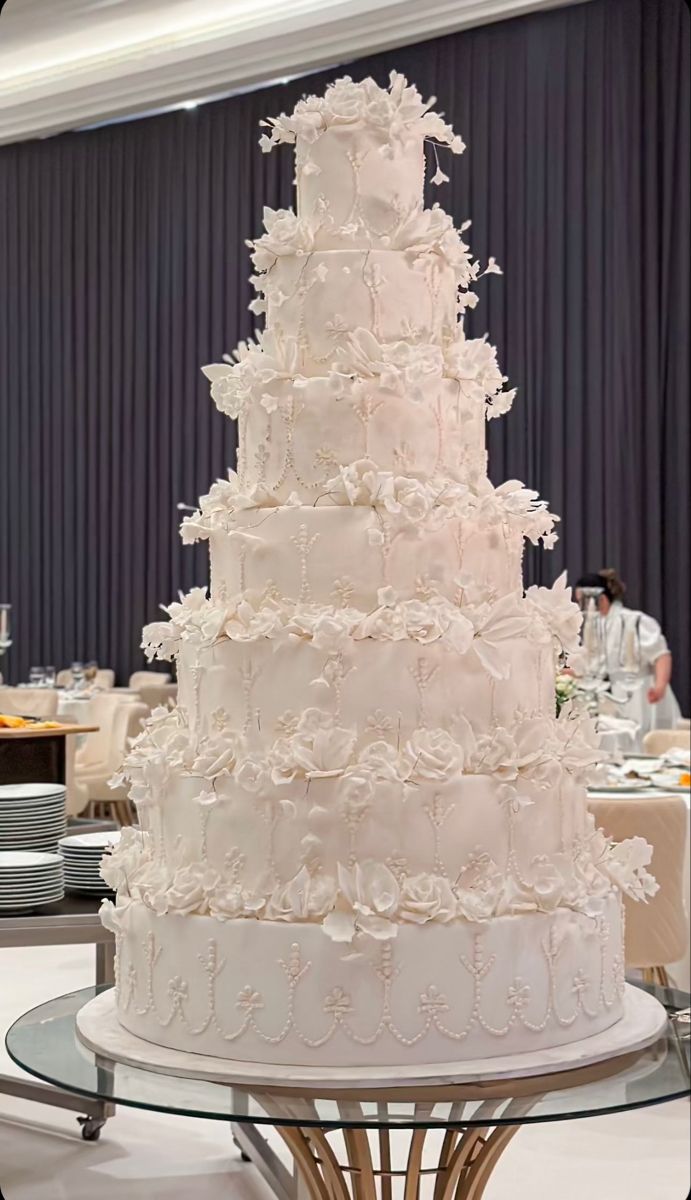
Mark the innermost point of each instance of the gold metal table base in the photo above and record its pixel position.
(334, 1161)
(461, 1171)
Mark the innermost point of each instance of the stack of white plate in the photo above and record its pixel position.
(32, 816)
(82, 854)
(29, 880)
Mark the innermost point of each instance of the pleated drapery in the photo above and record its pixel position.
(123, 268)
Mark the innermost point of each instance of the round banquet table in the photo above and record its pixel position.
(680, 971)
(342, 1137)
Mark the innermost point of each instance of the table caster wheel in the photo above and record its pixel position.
(91, 1128)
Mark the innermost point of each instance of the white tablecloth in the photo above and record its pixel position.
(680, 971)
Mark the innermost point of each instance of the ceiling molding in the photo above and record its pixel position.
(205, 62)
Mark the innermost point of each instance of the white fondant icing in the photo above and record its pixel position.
(364, 831)
(283, 993)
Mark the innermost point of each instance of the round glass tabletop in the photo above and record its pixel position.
(45, 1043)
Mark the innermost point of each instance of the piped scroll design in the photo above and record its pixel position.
(566, 998)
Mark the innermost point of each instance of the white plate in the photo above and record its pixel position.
(36, 826)
(30, 893)
(30, 791)
(28, 905)
(83, 855)
(73, 885)
(28, 826)
(44, 844)
(58, 817)
(14, 858)
(90, 883)
(22, 806)
(26, 893)
(9, 807)
(40, 823)
(91, 841)
(44, 880)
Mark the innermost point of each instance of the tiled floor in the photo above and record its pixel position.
(146, 1156)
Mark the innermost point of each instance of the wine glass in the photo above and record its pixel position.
(36, 676)
(49, 677)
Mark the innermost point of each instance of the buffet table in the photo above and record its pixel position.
(73, 921)
(28, 755)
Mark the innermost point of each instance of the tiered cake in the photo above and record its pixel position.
(364, 836)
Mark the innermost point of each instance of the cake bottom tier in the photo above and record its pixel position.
(283, 993)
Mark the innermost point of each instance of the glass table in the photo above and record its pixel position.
(340, 1140)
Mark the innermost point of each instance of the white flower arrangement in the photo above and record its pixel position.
(421, 232)
(256, 367)
(558, 612)
(199, 621)
(473, 362)
(398, 111)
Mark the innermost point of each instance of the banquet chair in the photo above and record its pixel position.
(684, 723)
(104, 678)
(29, 702)
(94, 754)
(657, 930)
(141, 679)
(161, 696)
(659, 741)
(104, 801)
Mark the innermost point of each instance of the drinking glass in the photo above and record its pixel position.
(77, 672)
(49, 677)
(36, 676)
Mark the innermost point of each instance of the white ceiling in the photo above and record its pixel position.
(69, 63)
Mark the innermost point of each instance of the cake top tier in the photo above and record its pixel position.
(360, 159)
(396, 114)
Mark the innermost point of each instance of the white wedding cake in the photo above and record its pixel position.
(364, 836)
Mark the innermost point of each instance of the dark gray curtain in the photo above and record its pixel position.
(123, 268)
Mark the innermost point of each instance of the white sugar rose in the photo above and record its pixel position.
(372, 892)
(556, 608)
(285, 234)
(219, 756)
(325, 752)
(228, 900)
(151, 887)
(384, 761)
(435, 755)
(427, 898)
(190, 888)
(475, 904)
(411, 498)
(120, 865)
(384, 624)
(424, 621)
(250, 774)
(331, 632)
(625, 864)
(356, 790)
(547, 884)
(308, 896)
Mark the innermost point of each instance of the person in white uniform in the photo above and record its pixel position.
(635, 654)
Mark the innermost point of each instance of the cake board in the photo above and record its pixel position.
(100, 1031)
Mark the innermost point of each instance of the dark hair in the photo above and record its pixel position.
(615, 588)
(607, 579)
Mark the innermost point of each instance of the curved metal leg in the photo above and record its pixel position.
(461, 1171)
